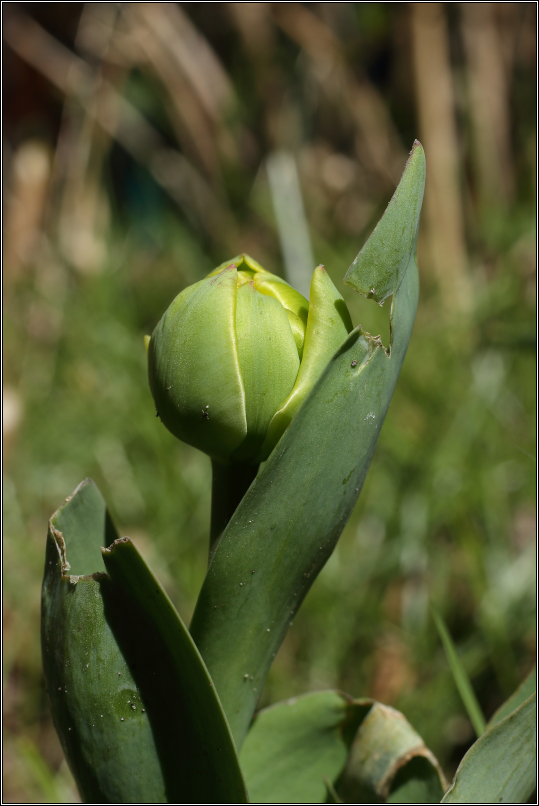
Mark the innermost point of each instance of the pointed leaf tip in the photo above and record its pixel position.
(380, 266)
(501, 765)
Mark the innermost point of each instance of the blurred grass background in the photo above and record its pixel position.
(144, 144)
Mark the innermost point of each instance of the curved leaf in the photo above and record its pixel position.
(293, 746)
(132, 702)
(289, 521)
(501, 765)
(389, 763)
(525, 690)
(325, 746)
(205, 733)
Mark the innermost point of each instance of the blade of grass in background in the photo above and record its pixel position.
(291, 220)
(332, 794)
(40, 771)
(460, 676)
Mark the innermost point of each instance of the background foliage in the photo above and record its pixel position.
(146, 143)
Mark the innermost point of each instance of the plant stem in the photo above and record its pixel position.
(230, 482)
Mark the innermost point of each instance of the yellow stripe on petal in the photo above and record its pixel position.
(269, 362)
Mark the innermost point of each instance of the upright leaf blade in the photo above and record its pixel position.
(501, 766)
(288, 523)
(130, 728)
(380, 266)
(205, 732)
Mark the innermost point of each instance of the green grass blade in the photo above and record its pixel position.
(332, 796)
(501, 766)
(40, 771)
(460, 676)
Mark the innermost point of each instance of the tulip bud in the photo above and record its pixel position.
(235, 355)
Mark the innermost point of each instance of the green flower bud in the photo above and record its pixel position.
(235, 355)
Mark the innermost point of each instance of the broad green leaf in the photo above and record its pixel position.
(204, 727)
(324, 747)
(462, 681)
(501, 766)
(295, 748)
(389, 763)
(382, 263)
(289, 521)
(525, 690)
(131, 728)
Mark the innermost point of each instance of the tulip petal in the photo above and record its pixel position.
(289, 298)
(242, 262)
(298, 331)
(267, 283)
(269, 362)
(194, 369)
(328, 325)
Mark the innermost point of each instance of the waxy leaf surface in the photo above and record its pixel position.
(382, 263)
(326, 746)
(525, 690)
(289, 521)
(134, 706)
(293, 747)
(501, 766)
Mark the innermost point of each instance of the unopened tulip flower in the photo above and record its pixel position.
(235, 355)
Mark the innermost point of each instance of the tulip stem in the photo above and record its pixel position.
(230, 482)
